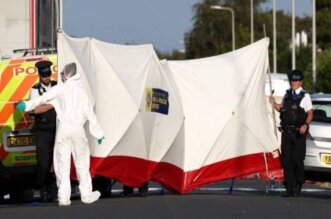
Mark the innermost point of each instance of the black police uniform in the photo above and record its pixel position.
(293, 144)
(44, 129)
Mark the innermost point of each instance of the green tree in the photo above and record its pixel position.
(323, 32)
(174, 55)
(211, 33)
(323, 78)
(323, 23)
(284, 39)
(203, 40)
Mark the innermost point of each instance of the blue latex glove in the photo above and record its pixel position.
(100, 140)
(21, 106)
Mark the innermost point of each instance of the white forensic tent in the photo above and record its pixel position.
(183, 123)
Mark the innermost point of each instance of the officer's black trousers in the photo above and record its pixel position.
(44, 148)
(293, 151)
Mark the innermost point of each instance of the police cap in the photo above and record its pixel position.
(44, 68)
(296, 75)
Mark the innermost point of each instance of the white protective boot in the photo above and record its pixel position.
(94, 196)
(64, 203)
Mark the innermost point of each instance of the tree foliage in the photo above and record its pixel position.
(323, 77)
(323, 20)
(203, 40)
(212, 29)
(211, 34)
(174, 55)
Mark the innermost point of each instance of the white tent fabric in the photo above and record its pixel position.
(225, 109)
(118, 78)
(182, 123)
(224, 105)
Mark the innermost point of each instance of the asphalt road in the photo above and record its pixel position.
(249, 199)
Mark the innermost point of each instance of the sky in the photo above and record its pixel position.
(162, 23)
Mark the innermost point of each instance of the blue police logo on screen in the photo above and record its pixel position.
(157, 100)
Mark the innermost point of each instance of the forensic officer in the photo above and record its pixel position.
(44, 129)
(296, 112)
(74, 109)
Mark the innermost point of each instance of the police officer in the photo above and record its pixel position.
(296, 112)
(44, 129)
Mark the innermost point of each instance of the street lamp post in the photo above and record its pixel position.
(274, 37)
(218, 7)
(252, 21)
(59, 14)
(293, 34)
(314, 45)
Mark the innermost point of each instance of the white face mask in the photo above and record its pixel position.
(63, 77)
(69, 71)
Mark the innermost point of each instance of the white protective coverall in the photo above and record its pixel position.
(73, 109)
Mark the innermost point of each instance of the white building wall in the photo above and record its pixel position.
(14, 26)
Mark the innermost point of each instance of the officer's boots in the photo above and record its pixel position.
(143, 190)
(52, 192)
(288, 193)
(298, 190)
(48, 193)
(44, 194)
(127, 191)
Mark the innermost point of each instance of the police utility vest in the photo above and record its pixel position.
(46, 120)
(291, 114)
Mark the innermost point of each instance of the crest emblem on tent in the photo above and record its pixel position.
(157, 100)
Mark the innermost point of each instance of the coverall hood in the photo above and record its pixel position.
(70, 72)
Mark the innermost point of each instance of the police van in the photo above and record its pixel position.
(17, 141)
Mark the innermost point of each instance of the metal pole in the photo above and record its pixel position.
(53, 27)
(271, 91)
(61, 14)
(274, 38)
(314, 45)
(252, 21)
(293, 34)
(58, 5)
(233, 33)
